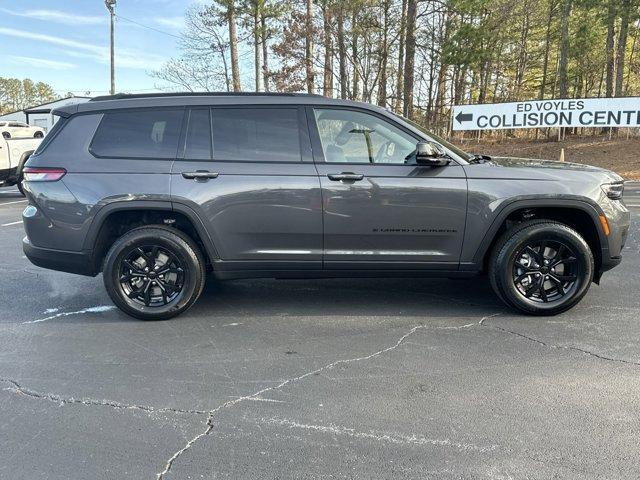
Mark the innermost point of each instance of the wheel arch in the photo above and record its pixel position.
(582, 216)
(115, 219)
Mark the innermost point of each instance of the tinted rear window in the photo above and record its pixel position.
(256, 134)
(149, 133)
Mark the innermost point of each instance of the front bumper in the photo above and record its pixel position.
(71, 262)
(619, 220)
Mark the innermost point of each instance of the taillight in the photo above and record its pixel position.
(43, 174)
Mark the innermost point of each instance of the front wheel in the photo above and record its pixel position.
(38, 134)
(154, 273)
(541, 267)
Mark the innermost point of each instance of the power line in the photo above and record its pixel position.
(149, 27)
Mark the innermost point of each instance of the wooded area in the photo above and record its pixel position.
(16, 94)
(416, 57)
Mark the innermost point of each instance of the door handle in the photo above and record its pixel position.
(345, 177)
(199, 175)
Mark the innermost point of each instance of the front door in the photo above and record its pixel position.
(381, 210)
(248, 173)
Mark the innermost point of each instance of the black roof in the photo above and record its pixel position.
(122, 96)
(193, 99)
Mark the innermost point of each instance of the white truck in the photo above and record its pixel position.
(14, 152)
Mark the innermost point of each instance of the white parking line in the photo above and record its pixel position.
(9, 224)
(10, 203)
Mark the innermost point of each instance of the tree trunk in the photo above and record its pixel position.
(547, 49)
(622, 45)
(233, 45)
(327, 88)
(309, 47)
(401, 40)
(609, 52)
(409, 61)
(564, 49)
(634, 46)
(442, 72)
(265, 52)
(257, 51)
(382, 85)
(354, 56)
(342, 53)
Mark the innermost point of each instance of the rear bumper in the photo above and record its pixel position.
(71, 262)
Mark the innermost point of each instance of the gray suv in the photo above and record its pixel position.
(157, 191)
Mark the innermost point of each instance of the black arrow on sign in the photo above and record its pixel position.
(464, 117)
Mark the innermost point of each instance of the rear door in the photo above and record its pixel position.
(381, 209)
(249, 175)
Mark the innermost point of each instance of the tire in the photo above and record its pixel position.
(19, 185)
(6, 135)
(541, 267)
(38, 135)
(154, 272)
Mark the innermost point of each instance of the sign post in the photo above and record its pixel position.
(586, 112)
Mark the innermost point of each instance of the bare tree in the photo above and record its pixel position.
(409, 67)
(563, 76)
(309, 48)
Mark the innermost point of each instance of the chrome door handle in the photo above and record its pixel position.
(199, 175)
(345, 177)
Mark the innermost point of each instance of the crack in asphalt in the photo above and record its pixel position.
(52, 397)
(552, 346)
(256, 396)
(329, 366)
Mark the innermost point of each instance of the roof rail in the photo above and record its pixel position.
(122, 96)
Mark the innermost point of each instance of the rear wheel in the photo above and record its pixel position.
(154, 273)
(541, 267)
(38, 134)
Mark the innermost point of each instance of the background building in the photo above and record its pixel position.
(40, 115)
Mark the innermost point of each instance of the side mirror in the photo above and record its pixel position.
(430, 154)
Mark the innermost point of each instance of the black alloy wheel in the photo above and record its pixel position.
(154, 272)
(545, 271)
(152, 276)
(541, 267)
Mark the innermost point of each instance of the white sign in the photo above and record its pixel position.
(586, 112)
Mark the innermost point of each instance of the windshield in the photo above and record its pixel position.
(458, 151)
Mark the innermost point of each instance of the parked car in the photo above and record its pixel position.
(159, 191)
(14, 152)
(20, 130)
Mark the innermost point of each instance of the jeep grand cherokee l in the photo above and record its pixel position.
(158, 191)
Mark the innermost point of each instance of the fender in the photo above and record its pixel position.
(199, 225)
(157, 205)
(583, 204)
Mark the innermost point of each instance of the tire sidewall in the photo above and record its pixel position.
(178, 247)
(551, 232)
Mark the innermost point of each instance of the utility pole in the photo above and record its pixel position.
(111, 4)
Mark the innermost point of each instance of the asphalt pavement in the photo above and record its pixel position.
(358, 379)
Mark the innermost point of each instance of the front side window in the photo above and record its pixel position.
(151, 133)
(354, 137)
(256, 134)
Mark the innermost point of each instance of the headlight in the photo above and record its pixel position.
(613, 190)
